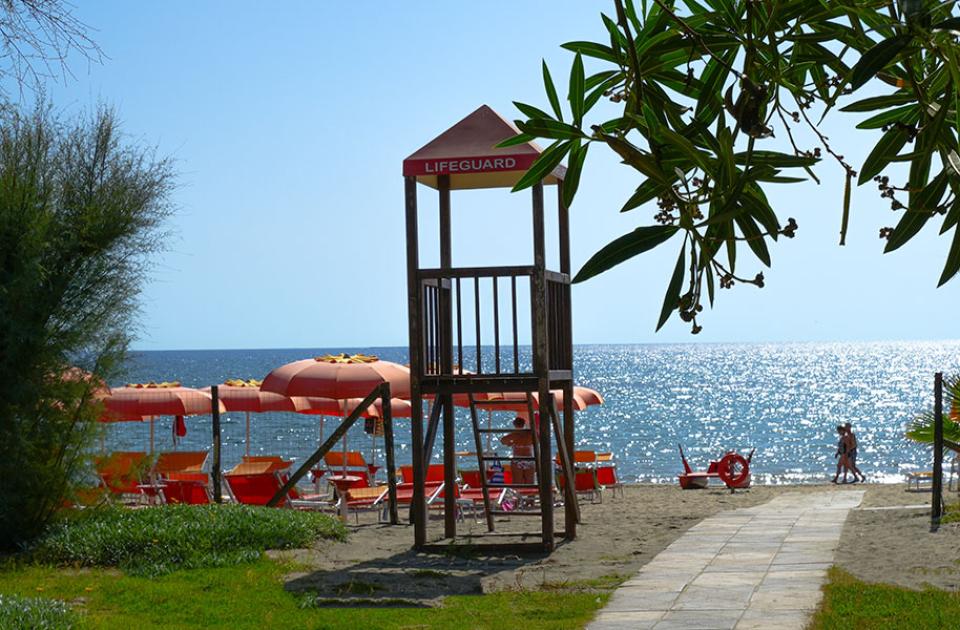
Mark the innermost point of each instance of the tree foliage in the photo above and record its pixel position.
(921, 428)
(80, 211)
(703, 87)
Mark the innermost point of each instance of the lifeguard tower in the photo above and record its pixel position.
(462, 158)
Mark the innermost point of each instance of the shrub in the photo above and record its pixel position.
(165, 538)
(35, 613)
(80, 212)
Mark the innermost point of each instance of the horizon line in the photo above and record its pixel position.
(613, 343)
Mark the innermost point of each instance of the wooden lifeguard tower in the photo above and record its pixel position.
(464, 157)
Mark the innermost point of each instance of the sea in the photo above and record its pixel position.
(782, 401)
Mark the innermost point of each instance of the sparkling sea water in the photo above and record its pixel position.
(784, 400)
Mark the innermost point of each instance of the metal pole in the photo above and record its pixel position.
(936, 508)
(248, 434)
(215, 410)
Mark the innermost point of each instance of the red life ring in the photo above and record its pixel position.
(733, 469)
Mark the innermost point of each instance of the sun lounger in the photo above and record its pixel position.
(584, 484)
(431, 492)
(916, 477)
(607, 478)
(352, 464)
(121, 472)
(189, 488)
(179, 462)
(277, 462)
(255, 483)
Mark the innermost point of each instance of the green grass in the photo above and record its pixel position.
(252, 596)
(851, 603)
(165, 538)
(35, 613)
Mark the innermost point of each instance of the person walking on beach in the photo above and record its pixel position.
(521, 442)
(841, 455)
(851, 449)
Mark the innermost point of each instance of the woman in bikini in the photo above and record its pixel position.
(521, 442)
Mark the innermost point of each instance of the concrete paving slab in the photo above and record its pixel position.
(642, 620)
(760, 567)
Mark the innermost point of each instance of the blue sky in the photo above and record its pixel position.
(289, 124)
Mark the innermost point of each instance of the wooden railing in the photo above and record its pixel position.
(497, 294)
(559, 333)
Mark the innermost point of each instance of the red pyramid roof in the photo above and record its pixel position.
(466, 152)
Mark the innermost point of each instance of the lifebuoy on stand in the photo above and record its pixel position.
(734, 470)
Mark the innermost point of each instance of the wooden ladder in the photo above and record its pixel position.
(483, 458)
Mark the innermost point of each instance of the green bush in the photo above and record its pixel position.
(166, 538)
(81, 210)
(34, 613)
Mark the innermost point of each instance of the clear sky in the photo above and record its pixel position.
(289, 123)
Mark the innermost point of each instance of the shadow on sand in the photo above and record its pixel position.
(410, 578)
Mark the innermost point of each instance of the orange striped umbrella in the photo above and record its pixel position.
(338, 376)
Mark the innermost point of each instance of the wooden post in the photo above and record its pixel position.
(936, 507)
(541, 364)
(569, 426)
(215, 466)
(446, 362)
(418, 505)
(385, 398)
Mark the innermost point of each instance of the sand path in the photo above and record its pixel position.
(756, 567)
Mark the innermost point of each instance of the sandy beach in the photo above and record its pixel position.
(614, 540)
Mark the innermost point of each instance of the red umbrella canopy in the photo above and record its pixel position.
(583, 397)
(246, 395)
(139, 400)
(338, 376)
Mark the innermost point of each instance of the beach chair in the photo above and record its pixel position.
(431, 491)
(179, 462)
(607, 479)
(189, 488)
(255, 483)
(584, 484)
(918, 477)
(434, 474)
(364, 499)
(470, 491)
(277, 462)
(121, 472)
(352, 463)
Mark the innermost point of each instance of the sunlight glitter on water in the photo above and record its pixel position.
(782, 399)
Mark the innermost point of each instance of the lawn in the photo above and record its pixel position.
(251, 595)
(849, 603)
(205, 567)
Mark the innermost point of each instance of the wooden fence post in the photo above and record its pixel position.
(215, 467)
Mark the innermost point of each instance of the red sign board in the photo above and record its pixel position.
(452, 166)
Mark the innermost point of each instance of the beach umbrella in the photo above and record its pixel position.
(246, 396)
(583, 397)
(139, 401)
(338, 376)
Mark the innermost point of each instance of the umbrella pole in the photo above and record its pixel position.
(248, 434)
(151, 435)
(344, 461)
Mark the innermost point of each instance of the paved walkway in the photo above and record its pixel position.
(758, 567)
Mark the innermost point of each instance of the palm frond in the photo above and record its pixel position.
(920, 428)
